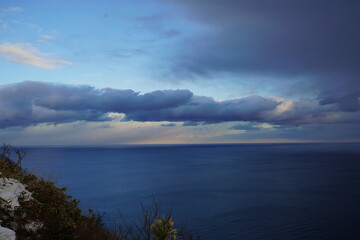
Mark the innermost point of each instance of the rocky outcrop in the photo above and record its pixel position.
(10, 191)
(7, 234)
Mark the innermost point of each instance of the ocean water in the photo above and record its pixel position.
(225, 192)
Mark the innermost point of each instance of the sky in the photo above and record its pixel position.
(179, 71)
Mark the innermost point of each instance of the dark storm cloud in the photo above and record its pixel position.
(318, 40)
(348, 101)
(113, 100)
(29, 103)
(205, 109)
(17, 105)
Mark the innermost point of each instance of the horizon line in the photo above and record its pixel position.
(182, 144)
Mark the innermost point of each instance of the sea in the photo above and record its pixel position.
(222, 191)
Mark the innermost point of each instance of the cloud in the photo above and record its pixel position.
(104, 126)
(30, 103)
(190, 124)
(25, 53)
(315, 41)
(168, 125)
(313, 132)
(348, 101)
(47, 36)
(206, 109)
(110, 100)
(279, 36)
(245, 127)
(13, 9)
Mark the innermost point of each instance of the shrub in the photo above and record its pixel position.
(163, 229)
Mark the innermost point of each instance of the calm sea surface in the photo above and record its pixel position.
(225, 192)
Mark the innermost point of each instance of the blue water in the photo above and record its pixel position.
(248, 191)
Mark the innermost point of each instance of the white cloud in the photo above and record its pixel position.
(25, 53)
(47, 36)
(284, 106)
(115, 116)
(13, 9)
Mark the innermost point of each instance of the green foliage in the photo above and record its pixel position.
(91, 227)
(8, 167)
(163, 229)
(51, 206)
(154, 227)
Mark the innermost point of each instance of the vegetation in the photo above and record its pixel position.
(51, 213)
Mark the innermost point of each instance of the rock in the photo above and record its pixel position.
(10, 191)
(33, 226)
(7, 234)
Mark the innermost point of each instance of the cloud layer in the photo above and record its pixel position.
(29, 103)
(315, 41)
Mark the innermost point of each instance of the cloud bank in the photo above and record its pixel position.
(315, 41)
(30, 103)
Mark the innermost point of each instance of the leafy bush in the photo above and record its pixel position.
(163, 229)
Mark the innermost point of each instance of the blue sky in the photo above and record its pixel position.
(135, 72)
